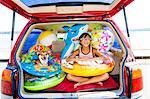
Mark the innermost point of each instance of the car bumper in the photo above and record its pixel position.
(137, 94)
(3, 96)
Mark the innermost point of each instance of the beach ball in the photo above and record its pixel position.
(102, 40)
(46, 38)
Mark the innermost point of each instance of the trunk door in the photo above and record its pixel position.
(64, 8)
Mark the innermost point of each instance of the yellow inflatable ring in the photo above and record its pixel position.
(87, 70)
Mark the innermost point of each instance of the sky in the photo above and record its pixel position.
(137, 14)
(6, 20)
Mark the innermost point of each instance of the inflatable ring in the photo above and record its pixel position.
(36, 84)
(88, 69)
(37, 70)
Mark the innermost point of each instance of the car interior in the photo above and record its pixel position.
(55, 41)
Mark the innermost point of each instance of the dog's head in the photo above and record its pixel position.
(43, 55)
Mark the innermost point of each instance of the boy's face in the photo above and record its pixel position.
(85, 41)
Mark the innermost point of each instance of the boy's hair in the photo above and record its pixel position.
(84, 35)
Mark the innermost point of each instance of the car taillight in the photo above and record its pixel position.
(137, 80)
(6, 75)
(6, 87)
(137, 73)
(6, 82)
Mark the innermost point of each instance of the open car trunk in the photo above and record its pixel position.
(63, 8)
(41, 81)
(44, 46)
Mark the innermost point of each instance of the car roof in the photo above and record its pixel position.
(64, 8)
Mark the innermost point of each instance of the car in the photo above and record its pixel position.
(38, 67)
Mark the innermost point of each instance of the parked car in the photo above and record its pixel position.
(37, 67)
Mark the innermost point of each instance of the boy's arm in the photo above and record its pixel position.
(72, 56)
(95, 52)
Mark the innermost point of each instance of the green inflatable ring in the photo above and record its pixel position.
(44, 83)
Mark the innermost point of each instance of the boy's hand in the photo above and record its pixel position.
(71, 59)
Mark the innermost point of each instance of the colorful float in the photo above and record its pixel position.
(43, 66)
(46, 38)
(102, 40)
(73, 32)
(41, 83)
(40, 62)
(91, 67)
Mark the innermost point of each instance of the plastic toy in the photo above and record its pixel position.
(46, 38)
(102, 40)
(72, 33)
(27, 58)
(40, 62)
(41, 83)
(90, 67)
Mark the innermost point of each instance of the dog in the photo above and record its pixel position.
(43, 58)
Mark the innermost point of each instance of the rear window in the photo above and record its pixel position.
(32, 3)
